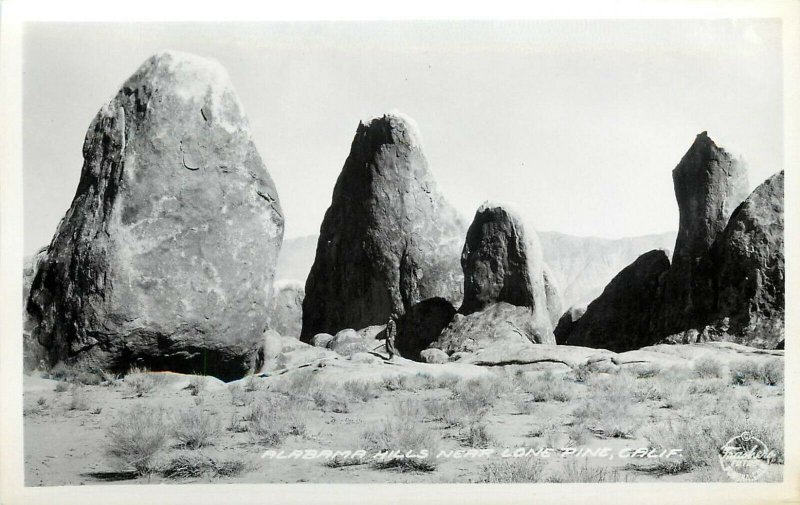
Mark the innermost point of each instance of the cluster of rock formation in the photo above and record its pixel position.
(166, 257)
(726, 279)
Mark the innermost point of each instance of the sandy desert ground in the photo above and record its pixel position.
(83, 429)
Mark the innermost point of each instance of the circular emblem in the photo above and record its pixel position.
(745, 458)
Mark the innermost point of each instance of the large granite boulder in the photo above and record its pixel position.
(709, 184)
(286, 308)
(620, 318)
(750, 270)
(566, 323)
(499, 326)
(389, 239)
(166, 256)
(502, 262)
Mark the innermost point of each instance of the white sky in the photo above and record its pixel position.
(579, 123)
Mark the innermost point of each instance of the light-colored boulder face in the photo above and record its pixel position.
(347, 342)
(620, 318)
(709, 184)
(502, 262)
(166, 256)
(389, 239)
(552, 293)
(436, 356)
(286, 308)
(499, 326)
(750, 270)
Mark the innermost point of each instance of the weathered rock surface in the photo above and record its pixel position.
(34, 354)
(434, 356)
(749, 270)
(502, 262)
(709, 184)
(347, 342)
(620, 318)
(286, 308)
(500, 326)
(321, 339)
(389, 239)
(167, 254)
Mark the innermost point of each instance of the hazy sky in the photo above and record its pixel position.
(578, 123)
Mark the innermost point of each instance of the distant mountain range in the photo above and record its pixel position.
(582, 266)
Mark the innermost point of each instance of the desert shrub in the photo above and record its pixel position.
(141, 381)
(582, 372)
(410, 409)
(96, 410)
(574, 471)
(339, 461)
(75, 375)
(707, 367)
(446, 410)
(238, 398)
(513, 470)
(137, 437)
(447, 380)
(236, 423)
(477, 435)
(360, 390)
(476, 396)
(271, 421)
(706, 386)
(328, 401)
(771, 372)
(188, 465)
(577, 433)
(643, 370)
(407, 437)
(61, 387)
(609, 409)
(300, 383)
(545, 387)
(197, 384)
(78, 400)
(746, 372)
(194, 428)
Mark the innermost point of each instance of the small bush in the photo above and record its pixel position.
(361, 390)
(477, 396)
(192, 465)
(197, 384)
(195, 428)
(447, 381)
(271, 421)
(137, 437)
(545, 387)
(477, 436)
(141, 381)
(447, 410)
(643, 370)
(749, 371)
(78, 400)
(610, 408)
(707, 367)
(582, 372)
(407, 437)
(583, 473)
(329, 402)
(513, 470)
(61, 387)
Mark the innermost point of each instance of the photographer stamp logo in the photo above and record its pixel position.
(744, 458)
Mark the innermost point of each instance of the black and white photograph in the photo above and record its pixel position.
(400, 251)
